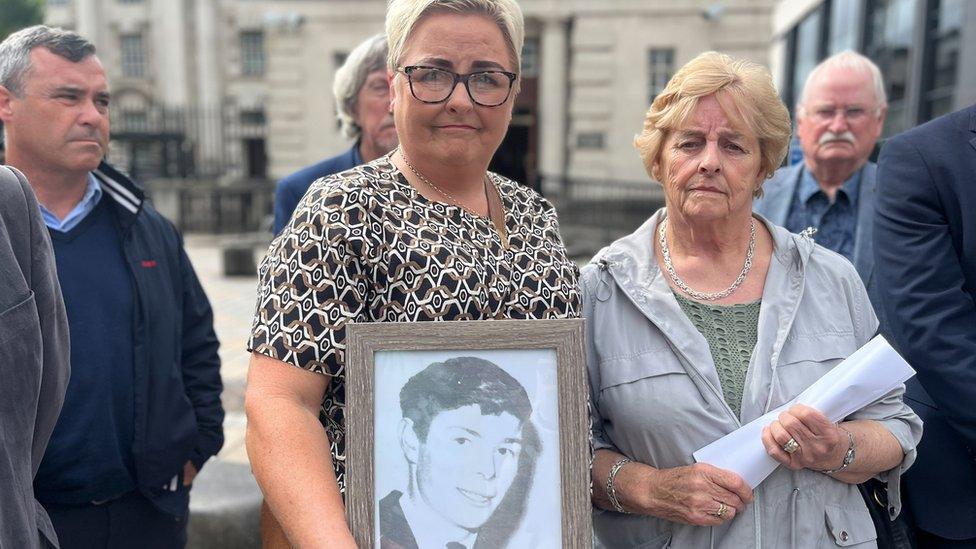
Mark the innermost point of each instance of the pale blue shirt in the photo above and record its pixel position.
(81, 210)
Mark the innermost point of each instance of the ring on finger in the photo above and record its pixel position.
(791, 446)
(723, 509)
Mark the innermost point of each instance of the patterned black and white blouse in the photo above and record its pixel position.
(364, 246)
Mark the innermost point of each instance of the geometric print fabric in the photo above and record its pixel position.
(365, 246)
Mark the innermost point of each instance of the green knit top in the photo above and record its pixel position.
(731, 332)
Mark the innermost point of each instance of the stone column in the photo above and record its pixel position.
(291, 49)
(168, 48)
(553, 104)
(207, 81)
(86, 17)
(207, 47)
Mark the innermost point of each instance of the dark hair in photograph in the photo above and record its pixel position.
(459, 382)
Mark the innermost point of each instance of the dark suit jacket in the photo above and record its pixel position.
(775, 206)
(925, 245)
(292, 188)
(395, 531)
(34, 359)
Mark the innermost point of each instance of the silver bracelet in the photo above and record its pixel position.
(611, 492)
(848, 457)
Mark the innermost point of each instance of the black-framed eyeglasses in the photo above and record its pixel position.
(433, 85)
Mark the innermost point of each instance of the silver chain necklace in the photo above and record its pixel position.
(500, 229)
(440, 191)
(703, 296)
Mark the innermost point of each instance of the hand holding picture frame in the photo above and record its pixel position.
(468, 435)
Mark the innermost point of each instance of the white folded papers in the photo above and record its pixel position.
(862, 378)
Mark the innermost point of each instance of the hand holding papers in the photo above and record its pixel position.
(862, 378)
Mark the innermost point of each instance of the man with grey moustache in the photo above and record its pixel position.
(839, 117)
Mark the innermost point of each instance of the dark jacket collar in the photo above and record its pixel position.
(778, 194)
(126, 195)
(353, 154)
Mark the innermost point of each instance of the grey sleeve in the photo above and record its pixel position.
(54, 326)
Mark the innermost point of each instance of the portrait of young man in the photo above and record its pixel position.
(470, 449)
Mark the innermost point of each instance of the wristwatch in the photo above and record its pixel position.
(848, 457)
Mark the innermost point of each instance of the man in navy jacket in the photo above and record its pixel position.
(362, 97)
(142, 411)
(925, 246)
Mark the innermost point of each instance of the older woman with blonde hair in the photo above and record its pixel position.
(706, 318)
(424, 233)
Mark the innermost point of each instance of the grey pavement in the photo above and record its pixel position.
(225, 500)
(233, 301)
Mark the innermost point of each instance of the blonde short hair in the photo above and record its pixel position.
(402, 16)
(750, 88)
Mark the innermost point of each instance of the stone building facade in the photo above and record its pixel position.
(590, 71)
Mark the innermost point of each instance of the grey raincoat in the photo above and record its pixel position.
(657, 398)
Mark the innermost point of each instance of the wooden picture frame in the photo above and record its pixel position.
(534, 353)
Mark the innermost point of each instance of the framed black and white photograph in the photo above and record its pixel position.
(467, 435)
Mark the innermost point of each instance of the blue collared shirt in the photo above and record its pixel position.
(93, 193)
(835, 222)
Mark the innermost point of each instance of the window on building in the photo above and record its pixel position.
(660, 70)
(133, 56)
(807, 50)
(255, 157)
(844, 23)
(889, 33)
(590, 140)
(944, 25)
(252, 53)
(136, 121)
(253, 117)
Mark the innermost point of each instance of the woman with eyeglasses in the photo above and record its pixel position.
(424, 233)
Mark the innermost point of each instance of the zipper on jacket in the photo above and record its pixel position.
(140, 414)
(756, 517)
(780, 343)
(793, 496)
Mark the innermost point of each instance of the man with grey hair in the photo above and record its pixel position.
(839, 118)
(142, 409)
(362, 96)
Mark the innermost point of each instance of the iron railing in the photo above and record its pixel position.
(218, 143)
